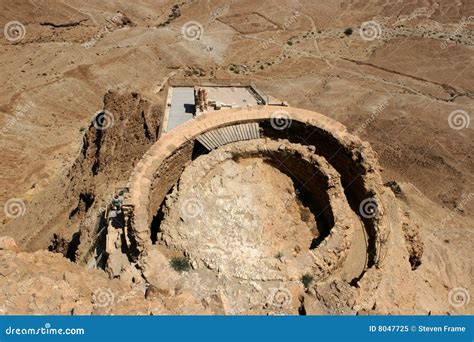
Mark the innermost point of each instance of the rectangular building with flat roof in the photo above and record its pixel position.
(184, 102)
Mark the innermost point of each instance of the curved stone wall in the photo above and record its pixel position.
(322, 183)
(353, 159)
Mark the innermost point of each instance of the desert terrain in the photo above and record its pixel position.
(399, 75)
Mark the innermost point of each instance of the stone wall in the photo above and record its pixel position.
(354, 160)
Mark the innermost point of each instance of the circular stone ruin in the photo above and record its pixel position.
(258, 222)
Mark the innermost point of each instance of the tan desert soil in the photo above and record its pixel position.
(396, 92)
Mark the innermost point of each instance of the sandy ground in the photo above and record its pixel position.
(404, 84)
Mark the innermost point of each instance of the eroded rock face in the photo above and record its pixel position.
(110, 147)
(47, 283)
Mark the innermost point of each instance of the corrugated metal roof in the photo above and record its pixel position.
(182, 107)
(226, 135)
